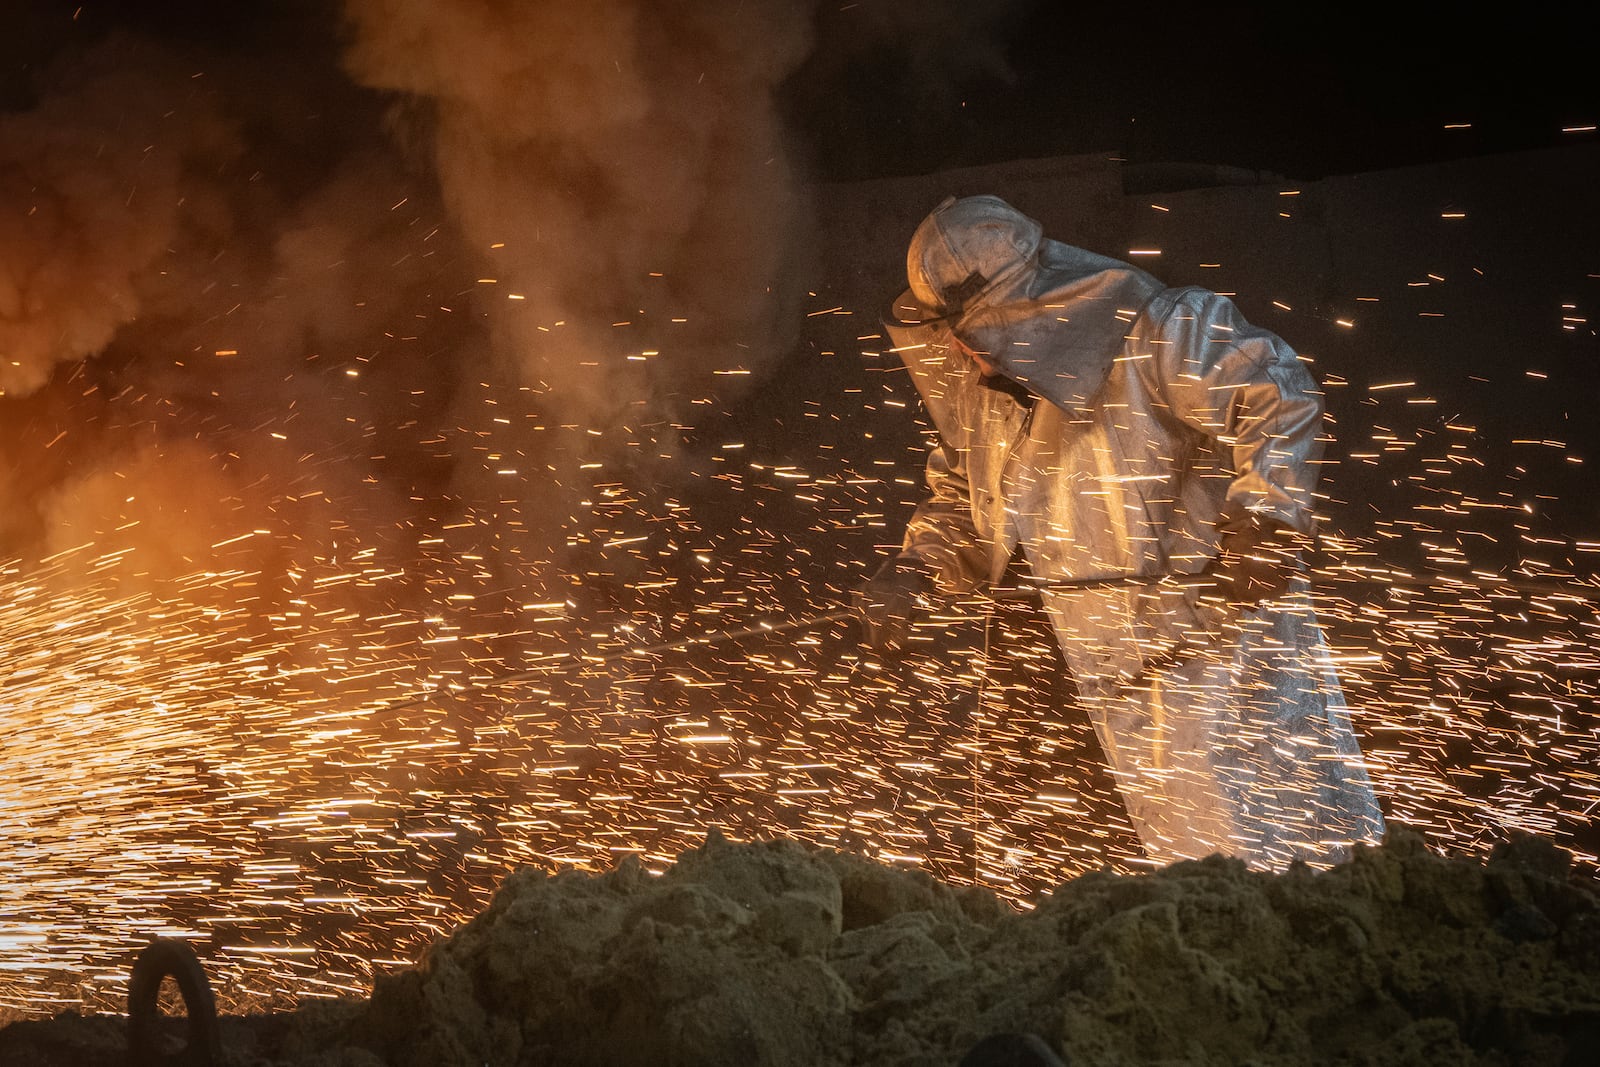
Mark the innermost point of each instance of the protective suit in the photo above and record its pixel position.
(1154, 423)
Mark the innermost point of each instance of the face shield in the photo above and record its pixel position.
(911, 324)
(965, 255)
(918, 332)
(914, 327)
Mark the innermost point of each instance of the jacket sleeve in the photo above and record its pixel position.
(941, 535)
(1247, 390)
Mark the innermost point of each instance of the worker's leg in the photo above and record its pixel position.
(1245, 748)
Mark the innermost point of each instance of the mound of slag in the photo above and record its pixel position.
(773, 953)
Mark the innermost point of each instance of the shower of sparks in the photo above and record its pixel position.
(313, 791)
(283, 796)
(377, 567)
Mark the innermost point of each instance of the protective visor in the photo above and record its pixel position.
(912, 326)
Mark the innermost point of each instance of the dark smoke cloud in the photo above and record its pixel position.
(625, 164)
(297, 272)
(220, 290)
(90, 197)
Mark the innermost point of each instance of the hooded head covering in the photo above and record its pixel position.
(1050, 316)
(964, 248)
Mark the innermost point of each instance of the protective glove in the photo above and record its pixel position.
(891, 602)
(1257, 561)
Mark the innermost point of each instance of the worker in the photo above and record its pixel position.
(1152, 448)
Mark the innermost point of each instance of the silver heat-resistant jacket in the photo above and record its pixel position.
(1163, 419)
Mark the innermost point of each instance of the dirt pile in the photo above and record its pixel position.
(774, 953)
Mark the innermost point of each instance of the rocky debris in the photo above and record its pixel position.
(778, 954)
(774, 953)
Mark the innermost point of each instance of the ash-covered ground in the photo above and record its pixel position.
(778, 953)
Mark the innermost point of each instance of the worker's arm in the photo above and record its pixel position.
(941, 536)
(939, 555)
(1246, 389)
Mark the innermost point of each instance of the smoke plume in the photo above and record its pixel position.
(620, 166)
(396, 275)
(90, 195)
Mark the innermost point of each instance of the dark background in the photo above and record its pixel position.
(1301, 90)
(894, 87)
